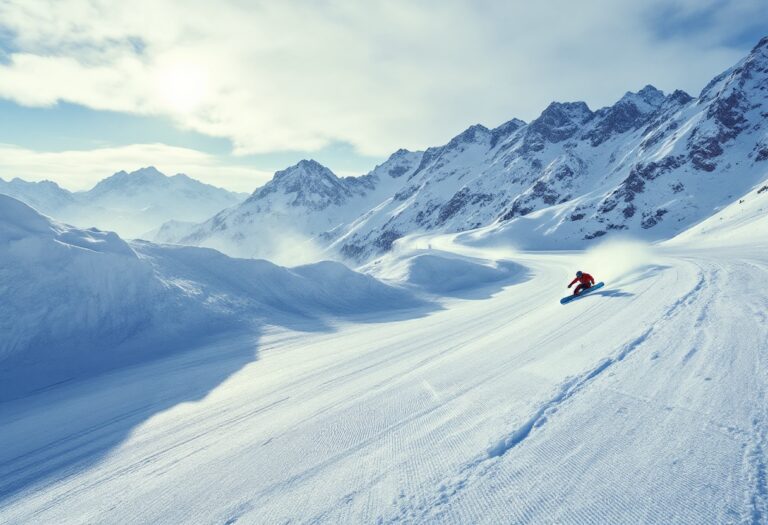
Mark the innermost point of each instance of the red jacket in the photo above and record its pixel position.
(585, 279)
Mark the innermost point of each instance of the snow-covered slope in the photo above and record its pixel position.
(65, 292)
(742, 222)
(643, 402)
(129, 203)
(76, 302)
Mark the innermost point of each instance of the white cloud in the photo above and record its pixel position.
(378, 74)
(80, 170)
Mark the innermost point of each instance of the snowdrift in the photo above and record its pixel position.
(76, 302)
(444, 273)
(65, 289)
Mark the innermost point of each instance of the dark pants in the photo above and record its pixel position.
(581, 287)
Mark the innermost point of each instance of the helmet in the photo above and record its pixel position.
(579, 273)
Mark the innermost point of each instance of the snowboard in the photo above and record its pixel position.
(582, 293)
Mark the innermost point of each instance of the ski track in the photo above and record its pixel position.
(500, 410)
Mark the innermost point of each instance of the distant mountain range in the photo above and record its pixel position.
(651, 165)
(130, 203)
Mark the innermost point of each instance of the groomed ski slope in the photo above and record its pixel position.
(642, 403)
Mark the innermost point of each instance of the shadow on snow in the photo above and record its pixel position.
(55, 432)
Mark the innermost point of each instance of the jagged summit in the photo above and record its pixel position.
(761, 46)
(679, 97)
(146, 175)
(45, 196)
(305, 167)
(558, 122)
(572, 111)
(41, 183)
(504, 131)
(141, 180)
(751, 71)
(400, 153)
(630, 112)
(646, 100)
(308, 180)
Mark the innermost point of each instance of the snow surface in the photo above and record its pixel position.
(743, 221)
(644, 402)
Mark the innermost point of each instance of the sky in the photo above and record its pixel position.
(233, 90)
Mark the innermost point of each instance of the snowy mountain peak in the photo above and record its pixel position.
(679, 97)
(304, 168)
(122, 179)
(16, 181)
(293, 178)
(474, 133)
(400, 153)
(558, 122)
(632, 111)
(646, 100)
(750, 72)
(45, 196)
(398, 164)
(181, 177)
(306, 183)
(761, 47)
(147, 173)
(501, 133)
(558, 113)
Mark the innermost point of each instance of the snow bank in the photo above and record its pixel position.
(65, 289)
(76, 302)
(442, 273)
(244, 288)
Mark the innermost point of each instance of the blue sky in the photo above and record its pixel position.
(64, 127)
(231, 92)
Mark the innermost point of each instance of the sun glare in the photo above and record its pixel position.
(182, 87)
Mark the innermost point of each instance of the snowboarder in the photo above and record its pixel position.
(585, 281)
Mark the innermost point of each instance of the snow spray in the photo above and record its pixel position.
(616, 258)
